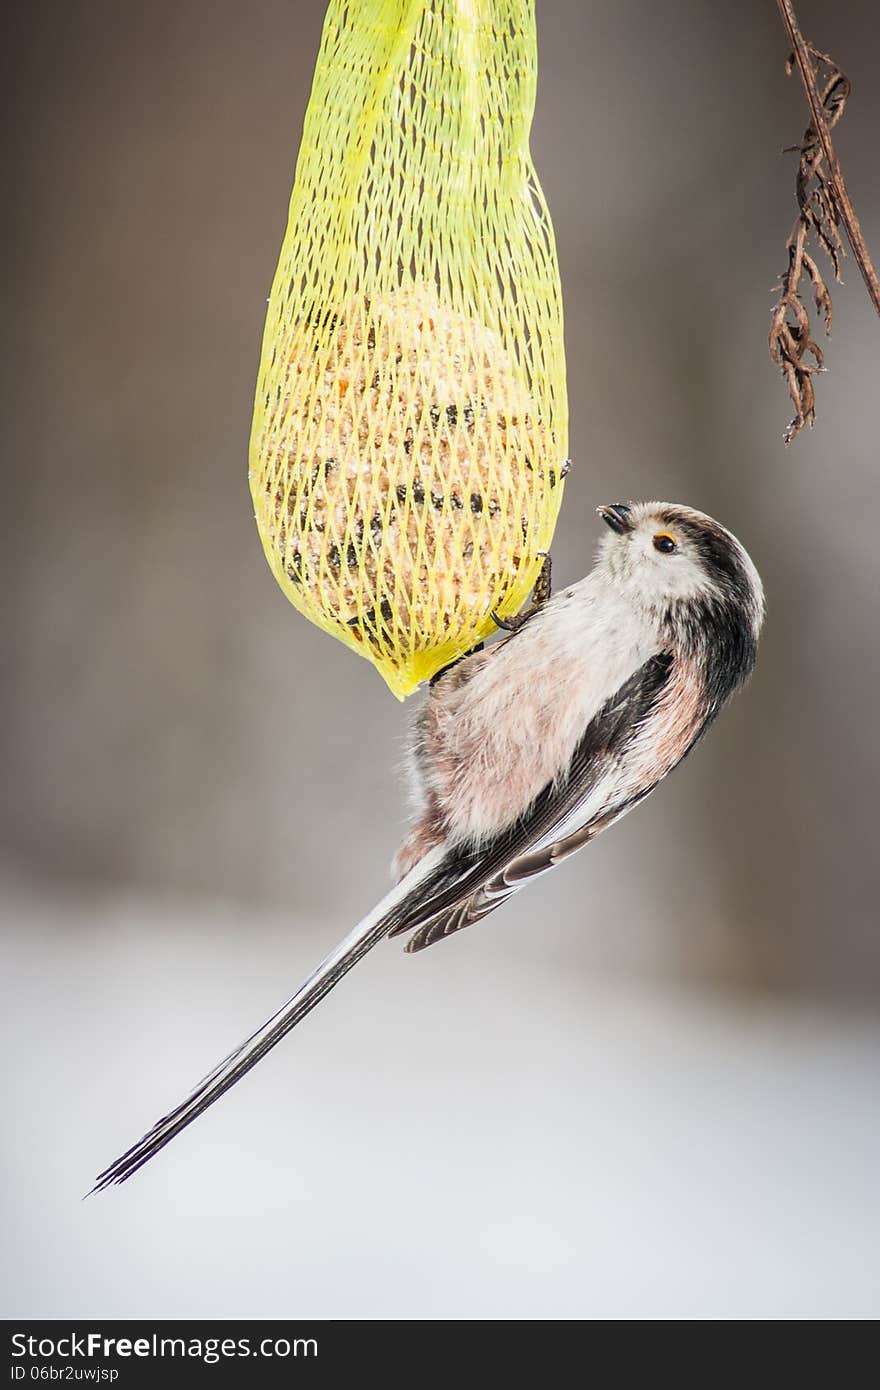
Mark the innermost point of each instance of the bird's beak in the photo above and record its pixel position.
(617, 516)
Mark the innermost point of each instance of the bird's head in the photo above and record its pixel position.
(681, 566)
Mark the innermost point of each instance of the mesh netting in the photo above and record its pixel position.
(410, 420)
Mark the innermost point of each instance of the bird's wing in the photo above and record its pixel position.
(494, 891)
(564, 817)
(447, 890)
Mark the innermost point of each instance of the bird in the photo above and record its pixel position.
(528, 748)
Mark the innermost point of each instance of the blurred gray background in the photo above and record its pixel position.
(648, 1087)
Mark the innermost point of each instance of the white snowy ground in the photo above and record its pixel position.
(469, 1133)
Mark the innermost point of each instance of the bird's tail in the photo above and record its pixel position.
(368, 933)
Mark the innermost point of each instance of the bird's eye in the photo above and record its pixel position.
(665, 543)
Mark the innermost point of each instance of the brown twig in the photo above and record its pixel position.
(823, 206)
(836, 182)
(791, 342)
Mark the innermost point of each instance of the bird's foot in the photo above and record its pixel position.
(540, 594)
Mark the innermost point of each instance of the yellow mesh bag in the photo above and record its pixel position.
(410, 420)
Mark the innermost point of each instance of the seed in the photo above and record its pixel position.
(326, 320)
(326, 467)
(476, 502)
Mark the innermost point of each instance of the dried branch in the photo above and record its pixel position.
(823, 206)
(837, 184)
(792, 345)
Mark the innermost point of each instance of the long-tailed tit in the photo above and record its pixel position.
(525, 751)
